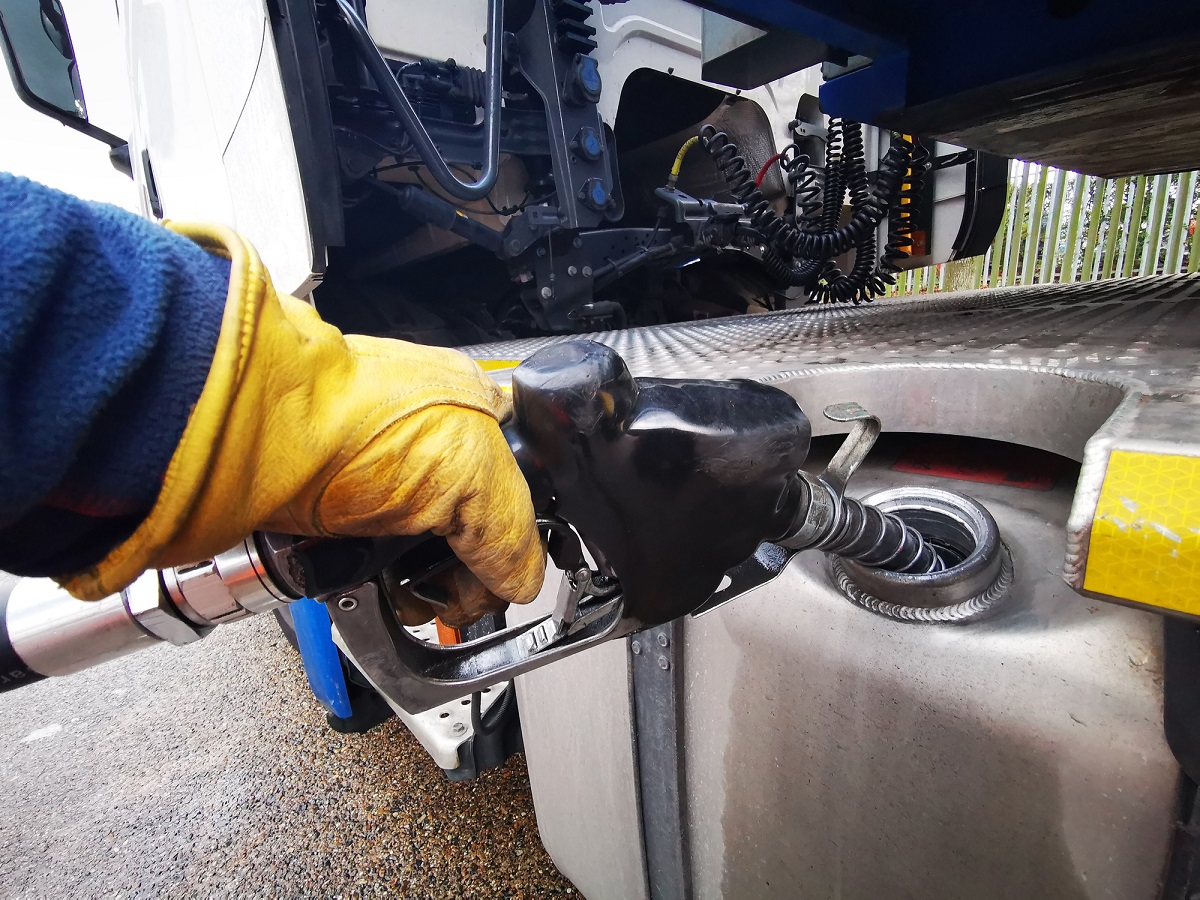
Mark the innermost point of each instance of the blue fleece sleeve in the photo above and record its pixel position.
(107, 328)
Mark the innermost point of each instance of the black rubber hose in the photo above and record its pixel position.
(788, 239)
(811, 213)
(433, 210)
(806, 192)
(382, 75)
(618, 268)
(902, 216)
(13, 671)
(496, 713)
(860, 284)
(803, 274)
(834, 189)
(473, 84)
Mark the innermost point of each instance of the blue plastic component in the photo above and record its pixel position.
(589, 75)
(946, 48)
(589, 143)
(322, 664)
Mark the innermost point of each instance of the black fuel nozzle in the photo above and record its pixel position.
(675, 488)
(669, 483)
(673, 482)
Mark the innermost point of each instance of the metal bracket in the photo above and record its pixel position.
(545, 66)
(827, 489)
(656, 685)
(566, 620)
(857, 445)
(768, 561)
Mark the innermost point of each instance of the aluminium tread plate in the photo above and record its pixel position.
(1144, 328)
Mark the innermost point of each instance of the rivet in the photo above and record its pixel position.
(663, 640)
(664, 663)
(635, 648)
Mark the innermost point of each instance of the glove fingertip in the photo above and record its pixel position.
(531, 573)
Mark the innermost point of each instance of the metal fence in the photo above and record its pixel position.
(1062, 226)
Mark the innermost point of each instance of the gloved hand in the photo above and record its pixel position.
(302, 429)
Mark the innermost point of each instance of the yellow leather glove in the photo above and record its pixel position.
(304, 430)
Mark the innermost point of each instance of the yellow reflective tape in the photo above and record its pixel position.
(497, 365)
(1145, 542)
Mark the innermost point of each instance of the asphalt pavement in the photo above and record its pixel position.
(209, 771)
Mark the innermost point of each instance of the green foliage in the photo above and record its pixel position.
(1062, 226)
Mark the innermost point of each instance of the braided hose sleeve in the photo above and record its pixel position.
(849, 528)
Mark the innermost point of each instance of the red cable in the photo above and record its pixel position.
(762, 173)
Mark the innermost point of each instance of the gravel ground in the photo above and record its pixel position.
(209, 770)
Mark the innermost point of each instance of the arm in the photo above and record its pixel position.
(107, 326)
(175, 404)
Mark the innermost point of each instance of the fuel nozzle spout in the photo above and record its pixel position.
(826, 519)
(855, 530)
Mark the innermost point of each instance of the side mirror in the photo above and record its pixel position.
(41, 61)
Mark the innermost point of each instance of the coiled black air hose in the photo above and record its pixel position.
(806, 192)
(815, 243)
(861, 283)
(810, 216)
(786, 237)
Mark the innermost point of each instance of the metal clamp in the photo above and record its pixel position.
(857, 445)
(565, 620)
(230, 586)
